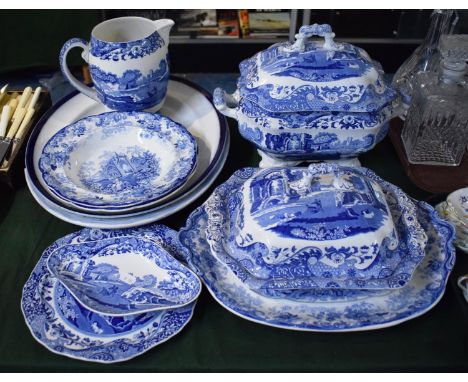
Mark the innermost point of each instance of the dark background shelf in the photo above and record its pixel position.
(389, 36)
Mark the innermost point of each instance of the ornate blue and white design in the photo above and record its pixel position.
(117, 160)
(121, 51)
(326, 227)
(314, 76)
(306, 135)
(331, 312)
(198, 114)
(132, 90)
(310, 100)
(129, 65)
(449, 213)
(458, 200)
(123, 276)
(62, 325)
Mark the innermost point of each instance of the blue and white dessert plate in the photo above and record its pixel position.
(122, 276)
(325, 226)
(62, 325)
(118, 160)
(459, 201)
(186, 103)
(329, 313)
(447, 211)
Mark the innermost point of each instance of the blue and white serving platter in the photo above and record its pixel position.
(62, 325)
(328, 313)
(186, 103)
(122, 276)
(118, 160)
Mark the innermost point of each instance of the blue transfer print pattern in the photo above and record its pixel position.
(132, 90)
(355, 312)
(64, 327)
(339, 78)
(130, 170)
(309, 135)
(294, 146)
(122, 51)
(94, 275)
(129, 177)
(373, 265)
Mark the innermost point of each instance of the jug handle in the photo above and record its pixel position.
(222, 102)
(70, 44)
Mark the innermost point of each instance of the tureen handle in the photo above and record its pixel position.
(226, 103)
(307, 31)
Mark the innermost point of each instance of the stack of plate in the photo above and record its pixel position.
(324, 248)
(96, 168)
(108, 296)
(455, 210)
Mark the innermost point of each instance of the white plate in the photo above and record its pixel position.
(187, 104)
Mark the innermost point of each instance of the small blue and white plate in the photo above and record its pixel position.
(57, 320)
(118, 161)
(122, 276)
(328, 313)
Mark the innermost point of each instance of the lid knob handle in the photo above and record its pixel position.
(307, 31)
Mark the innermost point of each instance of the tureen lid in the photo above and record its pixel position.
(314, 76)
(326, 205)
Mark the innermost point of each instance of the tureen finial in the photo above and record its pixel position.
(307, 31)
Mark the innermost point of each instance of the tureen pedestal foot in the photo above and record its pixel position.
(268, 161)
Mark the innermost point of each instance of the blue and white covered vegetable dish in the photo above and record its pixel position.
(310, 99)
(325, 226)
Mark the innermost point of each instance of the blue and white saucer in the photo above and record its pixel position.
(122, 276)
(118, 160)
(328, 313)
(61, 324)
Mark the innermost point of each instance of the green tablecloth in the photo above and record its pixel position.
(215, 339)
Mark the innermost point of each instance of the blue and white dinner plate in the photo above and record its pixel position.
(122, 276)
(61, 324)
(118, 160)
(186, 103)
(329, 313)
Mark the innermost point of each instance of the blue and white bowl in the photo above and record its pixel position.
(118, 161)
(310, 100)
(323, 227)
(60, 323)
(121, 276)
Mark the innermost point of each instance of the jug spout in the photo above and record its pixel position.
(163, 26)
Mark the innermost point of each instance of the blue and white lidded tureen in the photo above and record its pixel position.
(326, 226)
(310, 100)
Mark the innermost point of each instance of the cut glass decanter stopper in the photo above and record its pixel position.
(436, 126)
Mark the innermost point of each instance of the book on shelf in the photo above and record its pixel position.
(243, 15)
(269, 22)
(201, 22)
(228, 24)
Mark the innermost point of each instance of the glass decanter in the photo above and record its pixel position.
(425, 57)
(436, 126)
